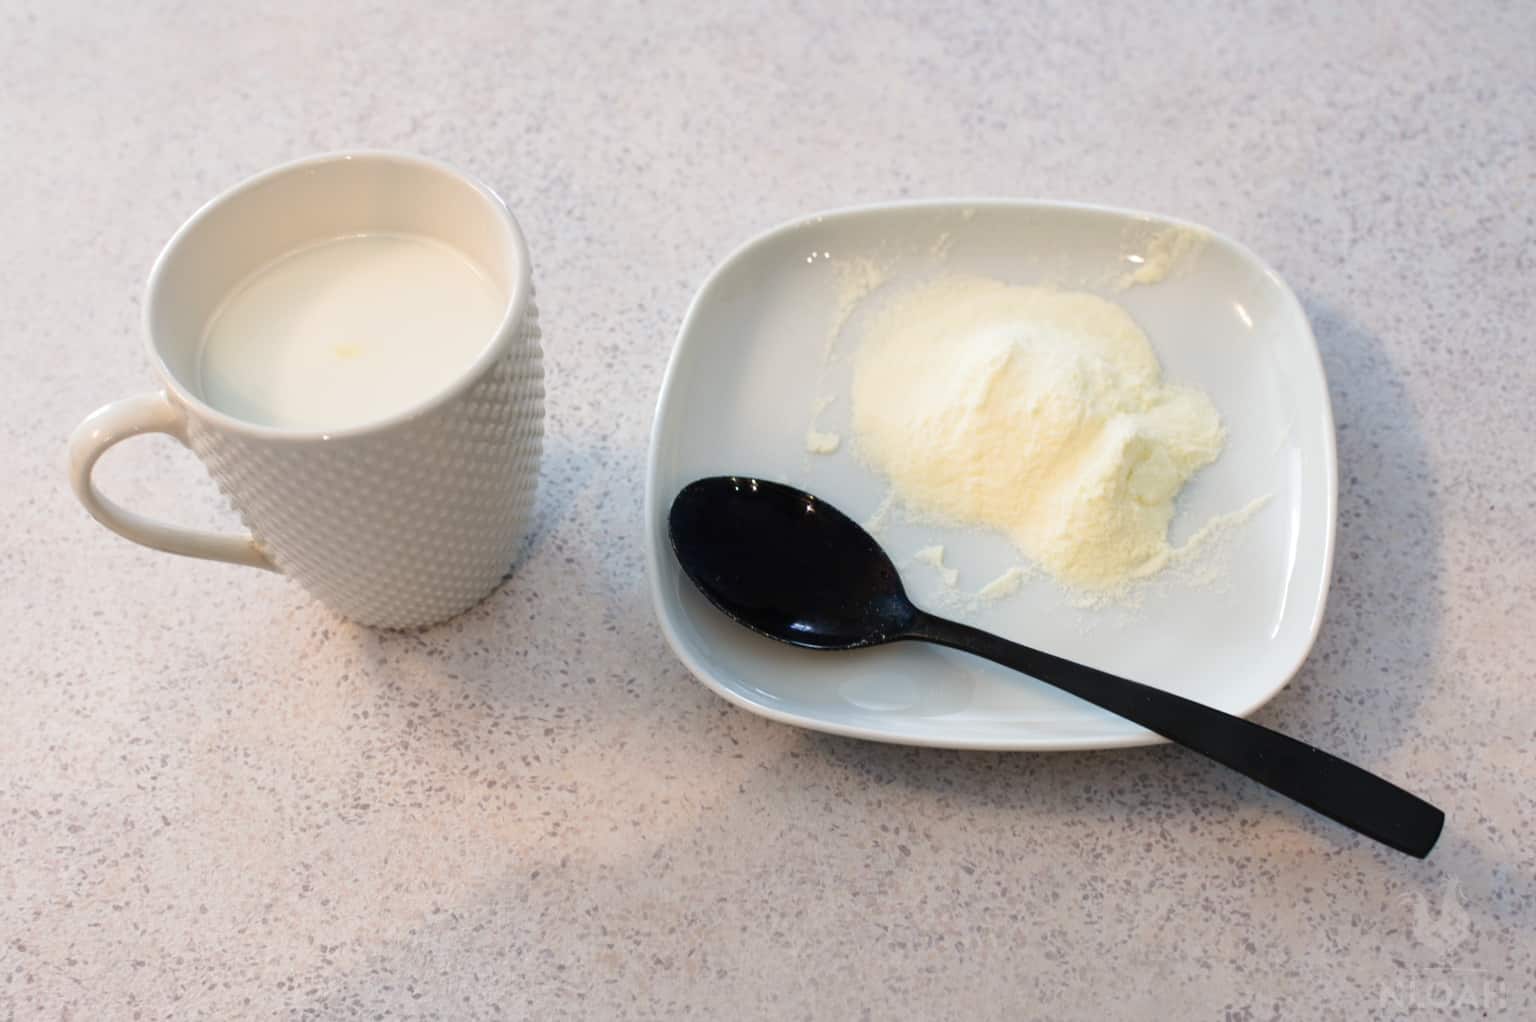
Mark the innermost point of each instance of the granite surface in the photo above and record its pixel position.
(219, 801)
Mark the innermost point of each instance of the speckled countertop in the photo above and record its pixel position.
(219, 801)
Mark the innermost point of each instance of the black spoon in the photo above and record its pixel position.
(796, 569)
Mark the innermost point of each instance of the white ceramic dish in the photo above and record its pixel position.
(751, 367)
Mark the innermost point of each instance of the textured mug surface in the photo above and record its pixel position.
(398, 523)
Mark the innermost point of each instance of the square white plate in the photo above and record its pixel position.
(752, 368)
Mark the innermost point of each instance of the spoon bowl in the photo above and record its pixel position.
(832, 587)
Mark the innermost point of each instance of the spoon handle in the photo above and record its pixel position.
(1352, 796)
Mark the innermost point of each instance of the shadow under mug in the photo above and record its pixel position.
(400, 522)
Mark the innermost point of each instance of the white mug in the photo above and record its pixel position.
(397, 523)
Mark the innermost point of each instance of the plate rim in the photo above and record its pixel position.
(651, 506)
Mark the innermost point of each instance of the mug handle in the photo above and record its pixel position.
(110, 424)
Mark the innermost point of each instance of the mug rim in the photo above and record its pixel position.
(516, 306)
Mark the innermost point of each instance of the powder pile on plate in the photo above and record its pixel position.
(1037, 412)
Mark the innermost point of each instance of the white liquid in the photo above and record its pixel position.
(347, 331)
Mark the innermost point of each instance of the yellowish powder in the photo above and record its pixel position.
(876, 522)
(856, 279)
(1166, 250)
(1041, 413)
(933, 556)
(818, 442)
(1003, 585)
